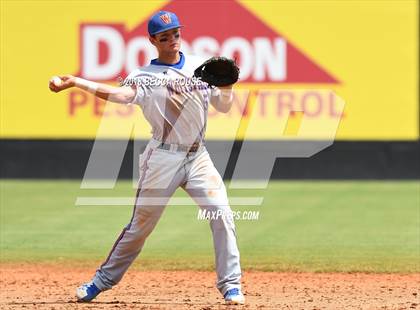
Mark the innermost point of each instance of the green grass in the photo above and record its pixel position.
(303, 226)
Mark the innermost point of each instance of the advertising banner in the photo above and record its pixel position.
(301, 62)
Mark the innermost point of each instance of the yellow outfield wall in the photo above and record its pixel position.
(349, 67)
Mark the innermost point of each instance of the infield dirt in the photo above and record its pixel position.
(26, 286)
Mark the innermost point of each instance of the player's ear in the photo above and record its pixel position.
(152, 40)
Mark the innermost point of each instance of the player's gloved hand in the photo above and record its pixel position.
(218, 71)
(62, 82)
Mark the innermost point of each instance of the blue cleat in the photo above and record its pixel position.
(234, 296)
(87, 292)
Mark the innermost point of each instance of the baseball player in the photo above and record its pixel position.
(175, 156)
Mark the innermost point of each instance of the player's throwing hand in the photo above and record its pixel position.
(59, 83)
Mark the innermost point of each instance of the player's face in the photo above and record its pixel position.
(168, 41)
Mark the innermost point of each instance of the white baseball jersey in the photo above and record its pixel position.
(174, 106)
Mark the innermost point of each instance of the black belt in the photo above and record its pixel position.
(180, 147)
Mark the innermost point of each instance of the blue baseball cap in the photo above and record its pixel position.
(162, 21)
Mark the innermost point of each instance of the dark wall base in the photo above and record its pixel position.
(343, 160)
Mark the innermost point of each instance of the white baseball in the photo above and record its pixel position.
(56, 80)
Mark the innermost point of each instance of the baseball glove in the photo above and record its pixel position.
(218, 71)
